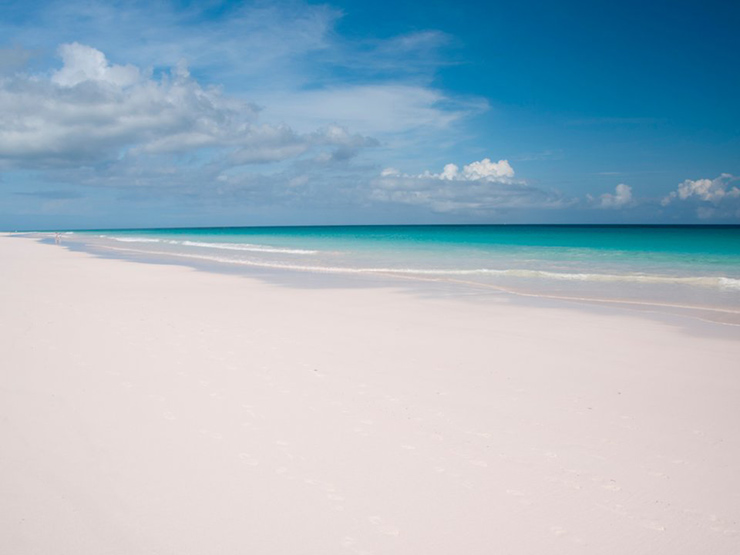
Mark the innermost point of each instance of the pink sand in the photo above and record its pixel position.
(157, 409)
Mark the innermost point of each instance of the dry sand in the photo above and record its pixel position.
(158, 409)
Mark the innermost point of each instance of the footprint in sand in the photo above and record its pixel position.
(169, 416)
(720, 526)
(558, 531)
(520, 496)
(652, 525)
(382, 528)
(208, 433)
(248, 459)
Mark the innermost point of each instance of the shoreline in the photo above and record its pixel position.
(415, 284)
(155, 408)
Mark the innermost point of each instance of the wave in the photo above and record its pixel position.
(131, 239)
(247, 247)
(706, 281)
(729, 283)
(716, 282)
(243, 247)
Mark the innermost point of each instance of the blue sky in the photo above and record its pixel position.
(283, 113)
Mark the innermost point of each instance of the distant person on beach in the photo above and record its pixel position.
(57, 239)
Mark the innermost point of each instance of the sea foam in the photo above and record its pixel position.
(717, 282)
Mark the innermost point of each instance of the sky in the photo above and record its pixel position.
(214, 113)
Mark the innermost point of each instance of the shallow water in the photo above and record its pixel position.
(678, 266)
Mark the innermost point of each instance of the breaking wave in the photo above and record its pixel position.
(223, 246)
(243, 247)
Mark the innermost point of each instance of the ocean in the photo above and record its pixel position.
(689, 267)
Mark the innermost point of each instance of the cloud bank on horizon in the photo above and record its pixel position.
(307, 126)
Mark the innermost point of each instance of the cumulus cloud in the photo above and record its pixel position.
(481, 170)
(92, 111)
(621, 197)
(713, 191)
(480, 187)
(84, 63)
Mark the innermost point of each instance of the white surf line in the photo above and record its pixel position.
(407, 276)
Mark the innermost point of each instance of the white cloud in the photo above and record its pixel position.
(378, 109)
(91, 111)
(621, 197)
(708, 190)
(293, 92)
(450, 172)
(120, 110)
(253, 42)
(482, 170)
(285, 56)
(84, 63)
(485, 169)
(481, 187)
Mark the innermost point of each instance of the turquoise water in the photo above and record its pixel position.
(681, 265)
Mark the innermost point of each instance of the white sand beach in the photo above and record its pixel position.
(162, 410)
